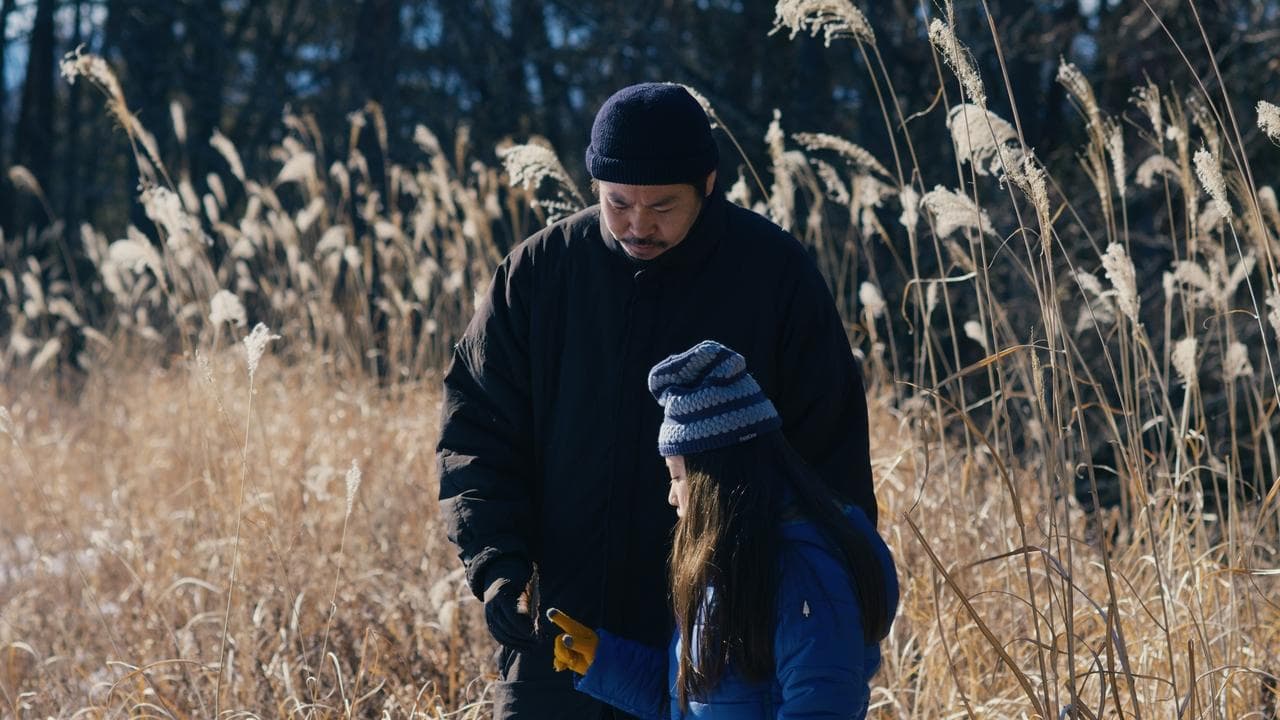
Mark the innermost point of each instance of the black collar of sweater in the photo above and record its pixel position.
(698, 243)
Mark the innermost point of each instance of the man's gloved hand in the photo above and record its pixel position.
(508, 624)
(576, 648)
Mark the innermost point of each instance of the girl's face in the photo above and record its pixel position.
(679, 494)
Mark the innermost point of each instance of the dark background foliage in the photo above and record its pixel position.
(517, 68)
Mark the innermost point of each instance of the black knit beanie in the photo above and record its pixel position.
(651, 134)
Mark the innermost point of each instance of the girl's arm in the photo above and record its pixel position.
(822, 661)
(629, 676)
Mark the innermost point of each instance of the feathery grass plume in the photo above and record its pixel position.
(1236, 362)
(1095, 307)
(95, 243)
(308, 215)
(190, 200)
(179, 119)
(704, 102)
(300, 168)
(782, 192)
(866, 194)
(1184, 360)
(857, 156)
(229, 153)
(63, 308)
(78, 64)
(425, 140)
(206, 368)
(19, 344)
(952, 211)
(255, 344)
(1194, 283)
(957, 57)
(1210, 219)
(1028, 175)
(226, 307)
(830, 178)
(871, 299)
(1230, 282)
(34, 305)
(47, 353)
(1215, 286)
(1157, 165)
(1089, 283)
(24, 180)
(1269, 120)
(528, 165)
(1037, 377)
(833, 18)
(136, 253)
(1273, 302)
(1202, 116)
(979, 136)
(353, 484)
(1115, 150)
(931, 300)
(6, 421)
(739, 194)
(1210, 174)
(1079, 88)
(910, 200)
(182, 233)
(1267, 199)
(973, 331)
(1147, 98)
(217, 188)
(1119, 270)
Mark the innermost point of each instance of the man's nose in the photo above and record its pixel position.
(639, 224)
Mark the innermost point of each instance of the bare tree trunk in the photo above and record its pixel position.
(33, 144)
(6, 8)
(204, 82)
(72, 161)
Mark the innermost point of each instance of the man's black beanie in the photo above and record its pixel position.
(651, 134)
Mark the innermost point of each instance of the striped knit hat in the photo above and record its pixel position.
(709, 400)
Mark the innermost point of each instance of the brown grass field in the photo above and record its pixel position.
(120, 545)
(187, 532)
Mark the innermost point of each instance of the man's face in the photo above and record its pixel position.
(648, 220)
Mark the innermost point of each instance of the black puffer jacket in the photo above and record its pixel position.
(548, 449)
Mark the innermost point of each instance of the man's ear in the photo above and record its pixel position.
(711, 184)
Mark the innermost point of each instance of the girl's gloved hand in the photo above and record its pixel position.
(576, 647)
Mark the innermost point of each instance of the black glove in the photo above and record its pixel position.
(507, 623)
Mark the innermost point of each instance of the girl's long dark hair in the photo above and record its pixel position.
(728, 541)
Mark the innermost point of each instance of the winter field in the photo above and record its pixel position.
(1073, 417)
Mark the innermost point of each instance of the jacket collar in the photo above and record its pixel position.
(690, 252)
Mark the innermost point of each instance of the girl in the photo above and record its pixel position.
(781, 593)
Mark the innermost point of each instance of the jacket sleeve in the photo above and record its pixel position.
(823, 664)
(629, 676)
(820, 394)
(485, 449)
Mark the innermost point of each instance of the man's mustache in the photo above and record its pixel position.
(641, 242)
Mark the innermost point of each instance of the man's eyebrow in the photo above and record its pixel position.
(620, 200)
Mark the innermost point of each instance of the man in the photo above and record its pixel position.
(546, 448)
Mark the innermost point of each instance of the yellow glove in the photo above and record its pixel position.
(576, 648)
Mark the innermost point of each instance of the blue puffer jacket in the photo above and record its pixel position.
(824, 664)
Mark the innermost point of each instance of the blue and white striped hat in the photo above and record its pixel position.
(709, 400)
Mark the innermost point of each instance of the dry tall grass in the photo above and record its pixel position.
(181, 542)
